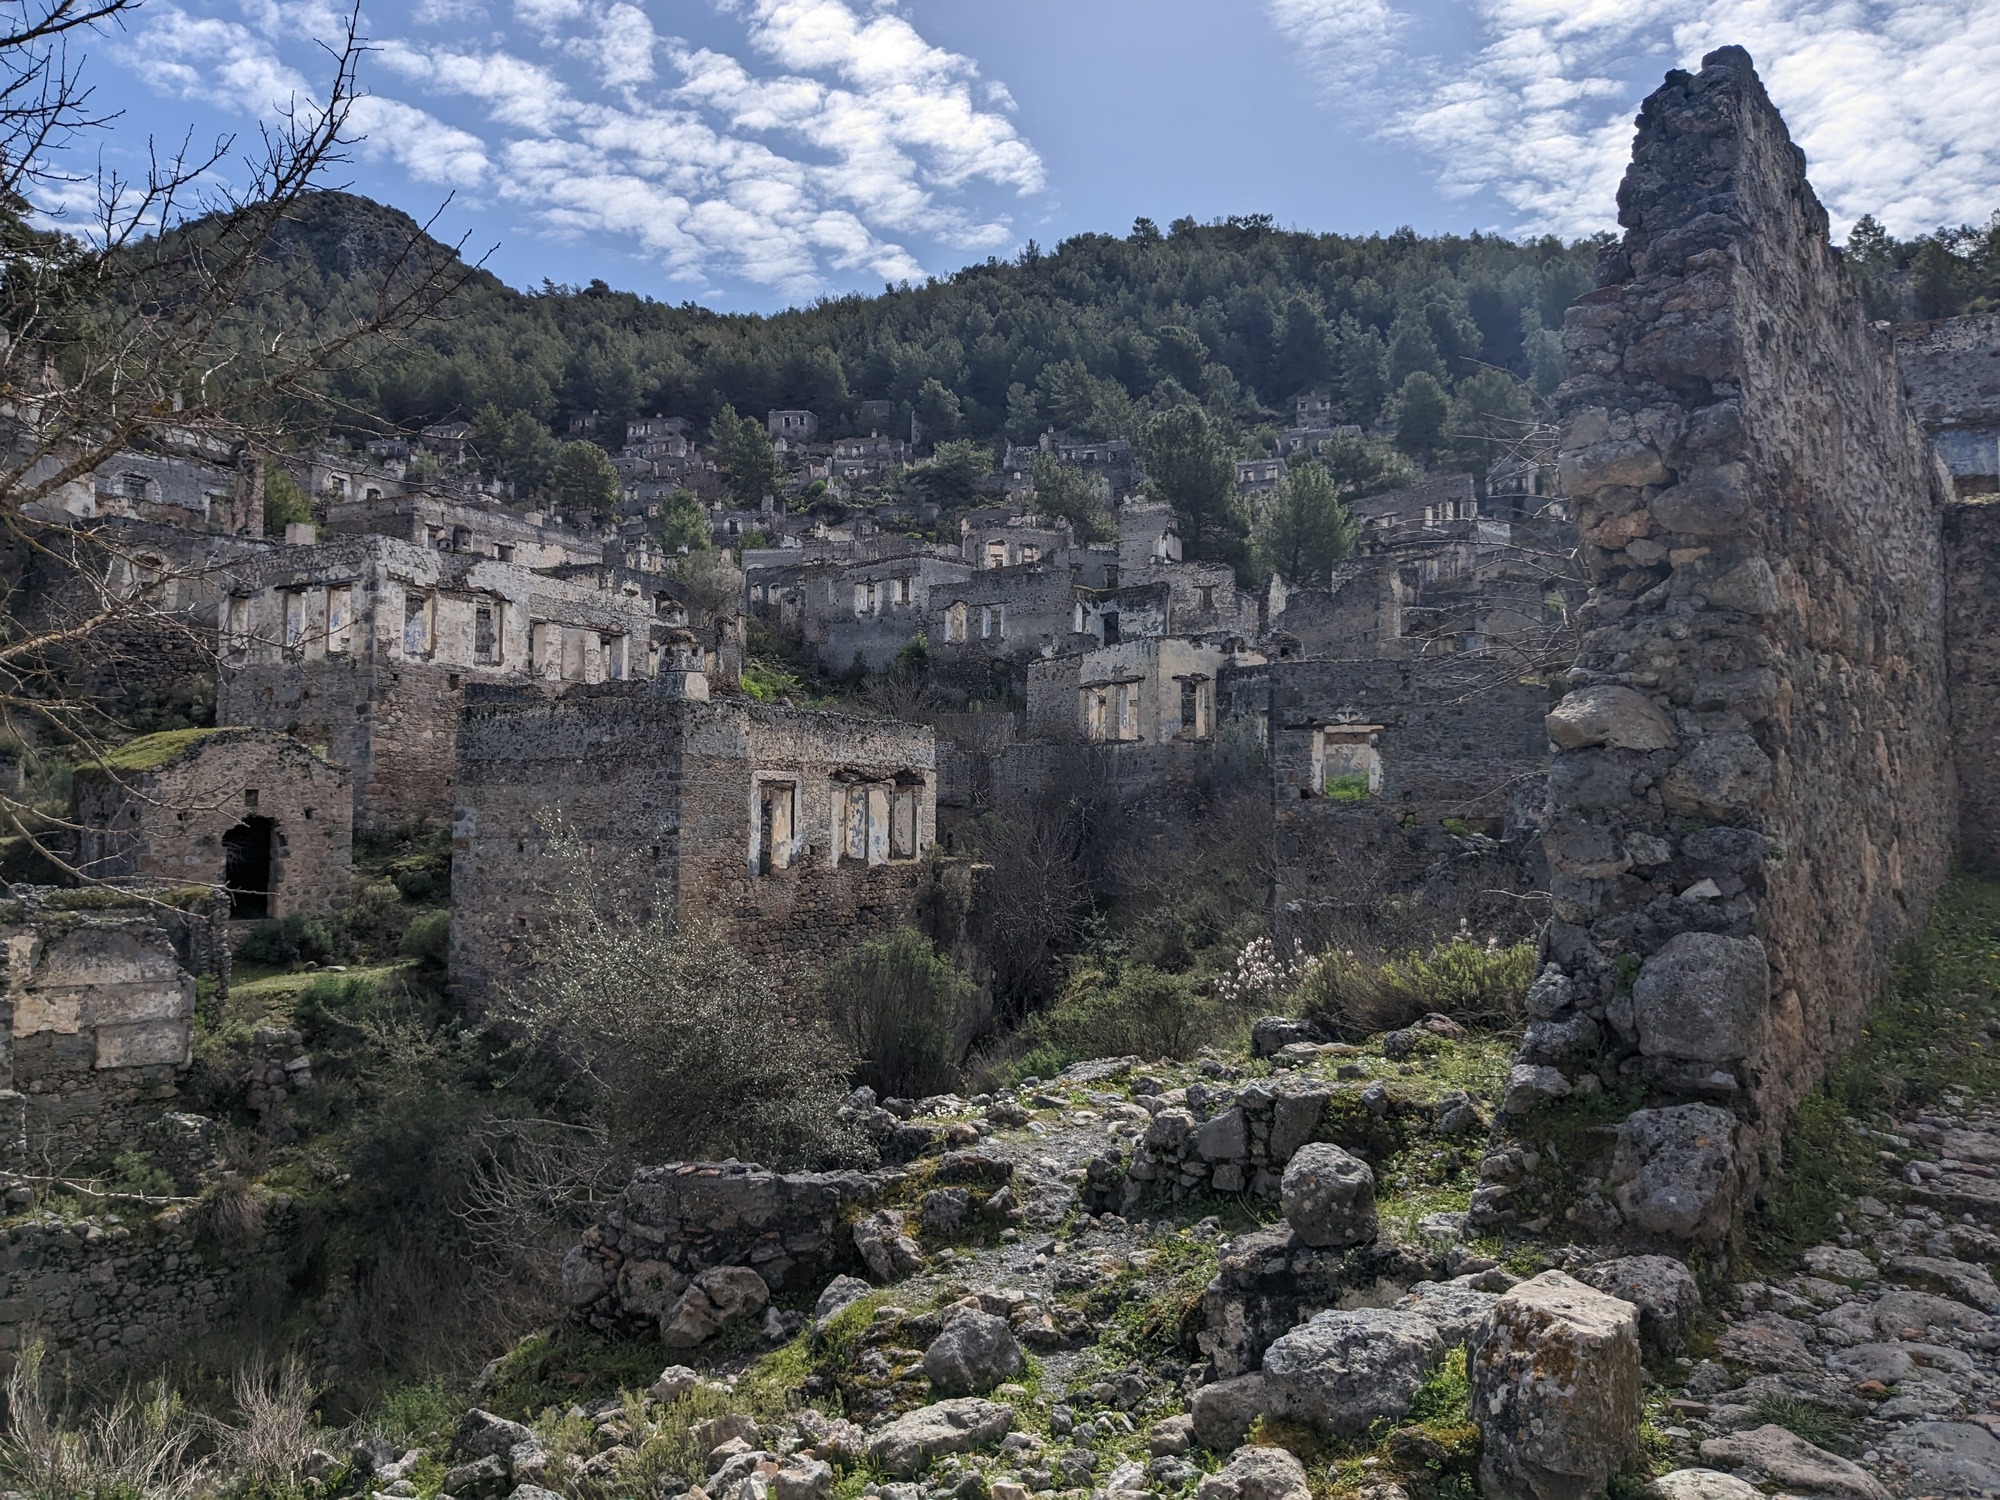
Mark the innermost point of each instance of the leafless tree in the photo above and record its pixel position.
(134, 322)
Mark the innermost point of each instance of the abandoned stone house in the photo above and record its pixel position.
(250, 811)
(793, 426)
(213, 487)
(1258, 476)
(1951, 369)
(1312, 409)
(864, 460)
(363, 648)
(482, 528)
(1012, 541)
(1436, 501)
(796, 831)
(333, 477)
(1155, 691)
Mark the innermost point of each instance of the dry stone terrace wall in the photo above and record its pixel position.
(1750, 800)
(1972, 614)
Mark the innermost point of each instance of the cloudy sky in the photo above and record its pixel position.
(754, 153)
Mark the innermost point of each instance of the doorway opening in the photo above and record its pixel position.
(246, 868)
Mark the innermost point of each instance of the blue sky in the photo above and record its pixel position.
(749, 154)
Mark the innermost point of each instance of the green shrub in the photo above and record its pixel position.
(907, 1013)
(1476, 984)
(1350, 787)
(1125, 1010)
(286, 941)
(428, 939)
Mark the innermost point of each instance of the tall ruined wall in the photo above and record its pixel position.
(1751, 791)
(1972, 635)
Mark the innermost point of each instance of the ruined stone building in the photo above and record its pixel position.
(1952, 371)
(1156, 690)
(364, 647)
(483, 528)
(1751, 799)
(797, 831)
(246, 810)
(793, 426)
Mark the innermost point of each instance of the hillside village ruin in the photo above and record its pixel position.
(1714, 679)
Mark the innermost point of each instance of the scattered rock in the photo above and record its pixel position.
(1272, 1033)
(1329, 1196)
(1529, 1085)
(1257, 1474)
(1673, 1171)
(1701, 1484)
(907, 1445)
(1345, 1370)
(718, 1297)
(1772, 1455)
(885, 1246)
(1171, 1436)
(1555, 1389)
(1661, 1288)
(1220, 1414)
(842, 1291)
(973, 1353)
(1455, 1308)
(1947, 1458)
(803, 1479)
(675, 1382)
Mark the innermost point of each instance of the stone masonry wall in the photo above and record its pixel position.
(1972, 634)
(1751, 797)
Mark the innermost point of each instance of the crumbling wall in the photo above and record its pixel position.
(1972, 634)
(1750, 800)
(1951, 369)
(1395, 787)
(98, 1020)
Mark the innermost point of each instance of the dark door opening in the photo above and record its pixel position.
(246, 868)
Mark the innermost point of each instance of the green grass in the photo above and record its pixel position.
(1922, 1045)
(149, 752)
(1817, 1425)
(1352, 787)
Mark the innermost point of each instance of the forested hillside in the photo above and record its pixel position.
(1089, 336)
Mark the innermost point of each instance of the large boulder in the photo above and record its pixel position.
(1455, 1308)
(1701, 1484)
(906, 1446)
(1674, 1172)
(1661, 1288)
(718, 1297)
(1271, 1034)
(1771, 1455)
(1257, 1474)
(1555, 1390)
(1224, 1410)
(1703, 997)
(1329, 1196)
(1343, 1371)
(972, 1353)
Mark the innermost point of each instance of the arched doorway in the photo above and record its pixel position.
(246, 867)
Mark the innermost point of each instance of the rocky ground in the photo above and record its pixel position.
(1018, 1316)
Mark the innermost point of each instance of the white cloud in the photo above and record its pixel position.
(837, 140)
(1891, 101)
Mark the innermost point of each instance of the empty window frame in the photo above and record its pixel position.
(296, 605)
(903, 810)
(339, 620)
(485, 636)
(954, 624)
(1346, 765)
(992, 621)
(1097, 713)
(416, 623)
(1197, 708)
(777, 823)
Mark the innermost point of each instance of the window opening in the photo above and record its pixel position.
(339, 619)
(416, 623)
(775, 823)
(485, 641)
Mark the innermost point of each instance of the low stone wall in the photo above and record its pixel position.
(114, 1290)
(673, 1222)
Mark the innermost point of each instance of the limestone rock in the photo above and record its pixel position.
(675, 1382)
(1948, 1458)
(972, 1353)
(907, 1445)
(585, 1278)
(1661, 1288)
(1701, 1484)
(481, 1434)
(1674, 1173)
(885, 1246)
(1703, 997)
(1619, 718)
(1329, 1196)
(1455, 1308)
(842, 1291)
(1555, 1390)
(1771, 1455)
(1221, 1412)
(1528, 1085)
(649, 1288)
(1345, 1370)
(1272, 1033)
(716, 1298)
(1171, 1436)
(1257, 1474)
(803, 1479)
